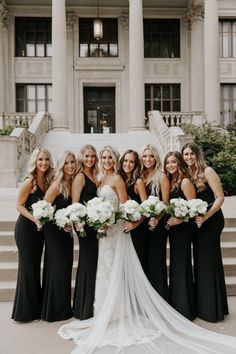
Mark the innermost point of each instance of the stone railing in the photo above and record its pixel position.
(17, 147)
(169, 137)
(16, 120)
(176, 119)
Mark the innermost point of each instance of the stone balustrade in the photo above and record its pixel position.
(17, 147)
(16, 120)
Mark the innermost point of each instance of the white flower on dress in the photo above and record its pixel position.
(100, 214)
(74, 214)
(43, 212)
(153, 207)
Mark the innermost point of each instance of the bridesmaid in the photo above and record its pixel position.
(211, 295)
(130, 172)
(29, 241)
(84, 188)
(181, 287)
(58, 257)
(157, 184)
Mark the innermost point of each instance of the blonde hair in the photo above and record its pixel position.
(59, 174)
(31, 171)
(198, 176)
(156, 176)
(95, 169)
(115, 157)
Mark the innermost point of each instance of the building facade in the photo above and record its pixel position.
(167, 55)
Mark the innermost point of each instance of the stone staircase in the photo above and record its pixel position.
(8, 258)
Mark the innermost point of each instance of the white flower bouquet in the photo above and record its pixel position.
(153, 207)
(178, 208)
(129, 211)
(74, 214)
(100, 214)
(197, 207)
(42, 212)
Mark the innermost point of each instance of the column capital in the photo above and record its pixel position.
(70, 19)
(124, 19)
(4, 15)
(195, 13)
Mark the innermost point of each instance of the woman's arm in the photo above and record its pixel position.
(120, 188)
(24, 193)
(77, 186)
(214, 182)
(52, 192)
(165, 188)
(140, 189)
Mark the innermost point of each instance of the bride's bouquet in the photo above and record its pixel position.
(178, 208)
(154, 208)
(100, 215)
(42, 212)
(197, 207)
(129, 211)
(74, 214)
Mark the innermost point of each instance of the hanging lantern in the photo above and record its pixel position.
(97, 25)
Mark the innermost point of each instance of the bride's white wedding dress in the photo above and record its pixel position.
(130, 317)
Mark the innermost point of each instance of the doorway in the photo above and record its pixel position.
(99, 110)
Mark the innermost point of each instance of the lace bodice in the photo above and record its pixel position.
(108, 193)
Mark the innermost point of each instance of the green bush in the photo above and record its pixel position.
(6, 131)
(219, 151)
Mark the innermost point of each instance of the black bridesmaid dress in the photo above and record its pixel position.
(211, 295)
(181, 287)
(58, 261)
(87, 265)
(29, 241)
(139, 234)
(156, 255)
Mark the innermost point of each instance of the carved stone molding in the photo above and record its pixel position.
(70, 19)
(4, 15)
(195, 13)
(124, 19)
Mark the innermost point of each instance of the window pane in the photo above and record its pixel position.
(49, 50)
(175, 91)
(40, 92)
(83, 50)
(176, 106)
(147, 106)
(49, 91)
(166, 105)
(147, 91)
(157, 105)
(49, 109)
(226, 92)
(166, 92)
(234, 46)
(93, 50)
(30, 50)
(20, 106)
(156, 92)
(30, 91)
(39, 50)
(20, 92)
(31, 106)
(41, 106)
(113, 50)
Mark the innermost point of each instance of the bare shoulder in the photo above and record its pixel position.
(26, 186)
(79, 178)
(186, 182)
(54, 187)
(210, 173)
(139, 182)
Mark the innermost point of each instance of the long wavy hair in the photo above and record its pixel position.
(137, 167)
(115, 157)
(182, 171)
(95, 169)
(31, 171)
(59, 174)
(157, 172)
(197, 175)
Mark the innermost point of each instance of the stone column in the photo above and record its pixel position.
(211, 62)
(59, 65)
(3, 49)
(194, 19)
(136, 65)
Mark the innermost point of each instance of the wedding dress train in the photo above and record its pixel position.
(130, 316)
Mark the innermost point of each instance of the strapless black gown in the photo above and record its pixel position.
(139, 234)
(156, 256)
(87, 265)
(181, 285)
(29, 241)
(58, 262)
(208, 268)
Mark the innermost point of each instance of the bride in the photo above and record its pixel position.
(130, 317)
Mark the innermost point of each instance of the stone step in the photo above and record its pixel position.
(230, 222)
(228, 234)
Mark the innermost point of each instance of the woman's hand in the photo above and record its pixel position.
(200, 220)
(68, 228)
(130, 225)
(174, 221)
(79, 226)
(153, 222)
